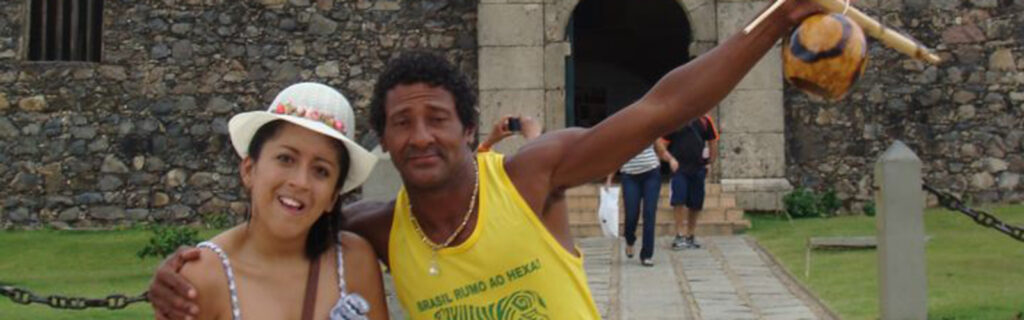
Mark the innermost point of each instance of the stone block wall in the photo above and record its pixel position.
(964, 118)
(142, 136)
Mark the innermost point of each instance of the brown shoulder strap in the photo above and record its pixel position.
(309, 302)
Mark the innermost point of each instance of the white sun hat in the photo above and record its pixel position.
(315, 107)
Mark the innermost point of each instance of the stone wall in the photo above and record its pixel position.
(142, 136)
(964, 118)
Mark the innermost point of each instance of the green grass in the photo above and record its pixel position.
(973, 272)
(93, 264)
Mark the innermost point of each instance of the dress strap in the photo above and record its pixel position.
(309, 302)
(341, 269)
(350, 306)
(236, 311)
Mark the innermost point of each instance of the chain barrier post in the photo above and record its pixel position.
(902, 282)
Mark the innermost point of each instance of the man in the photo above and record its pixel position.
(695, 147)
(455, 255)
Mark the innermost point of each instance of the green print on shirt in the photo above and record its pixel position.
(520, 305)
(509, 277)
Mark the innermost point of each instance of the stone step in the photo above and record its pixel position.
(709, 228)
(663, 214)
(585, 213)
(719, 217)
(710, 202)
(710, 190)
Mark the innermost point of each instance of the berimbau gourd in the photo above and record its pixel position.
(827, 52)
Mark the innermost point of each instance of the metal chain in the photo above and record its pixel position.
(112, 302)
(951, 202)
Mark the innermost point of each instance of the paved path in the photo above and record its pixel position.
(727, 279)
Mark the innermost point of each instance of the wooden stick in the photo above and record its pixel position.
(763, 15)
(889, 37)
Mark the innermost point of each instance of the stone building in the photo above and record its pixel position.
(115, 111)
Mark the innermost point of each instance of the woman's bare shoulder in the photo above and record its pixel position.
(209, 278)
(362, 272)
(358, 254)
(354, 245)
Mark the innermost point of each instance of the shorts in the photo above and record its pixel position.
(688, 189)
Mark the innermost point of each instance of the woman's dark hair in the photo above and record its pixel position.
(428, 68)
(325, 230)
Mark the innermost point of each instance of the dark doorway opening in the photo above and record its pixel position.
(619, 50)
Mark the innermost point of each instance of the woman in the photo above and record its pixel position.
(288, 260)
(641, 184)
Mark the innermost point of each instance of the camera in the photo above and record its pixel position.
(514, 125)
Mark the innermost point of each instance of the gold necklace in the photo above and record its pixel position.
(434, 269)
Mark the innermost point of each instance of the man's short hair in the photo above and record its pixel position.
(423, 67)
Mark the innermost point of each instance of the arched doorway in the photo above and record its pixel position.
(619, 50)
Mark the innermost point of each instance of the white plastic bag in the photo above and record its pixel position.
(608, 211)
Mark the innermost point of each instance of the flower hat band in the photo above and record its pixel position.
(289, 109)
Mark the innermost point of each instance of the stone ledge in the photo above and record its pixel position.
(758, 194)
(760, 201)
(744, 185)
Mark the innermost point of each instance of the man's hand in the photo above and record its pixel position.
(798, 10)
(500, 130)
(170, 295)
(531, 128)
(661, 149)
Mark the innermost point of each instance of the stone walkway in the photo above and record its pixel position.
(727, 279)
(730, 278)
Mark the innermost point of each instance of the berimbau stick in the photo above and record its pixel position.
(872, 27)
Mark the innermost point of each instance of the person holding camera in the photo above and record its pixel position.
(508, 126)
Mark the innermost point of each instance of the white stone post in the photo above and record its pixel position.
(902, 282)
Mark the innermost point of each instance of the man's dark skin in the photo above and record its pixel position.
(430, 148)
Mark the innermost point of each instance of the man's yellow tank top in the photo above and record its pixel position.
(510, 267)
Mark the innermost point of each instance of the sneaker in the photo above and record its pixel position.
(691, 242)
(647, 262)
(629, 252)
(679, 243)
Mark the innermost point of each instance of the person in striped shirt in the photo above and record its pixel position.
(641, 186)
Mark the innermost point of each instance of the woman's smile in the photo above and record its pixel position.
(291, 205)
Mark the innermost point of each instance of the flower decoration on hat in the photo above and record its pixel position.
(290, 110)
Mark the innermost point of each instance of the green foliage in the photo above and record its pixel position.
(830, 203)
(166, 239)
(801, 203)
(869, 209)
(219, 221)
(805, 203)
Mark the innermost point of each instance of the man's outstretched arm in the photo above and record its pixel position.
(575, 156)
